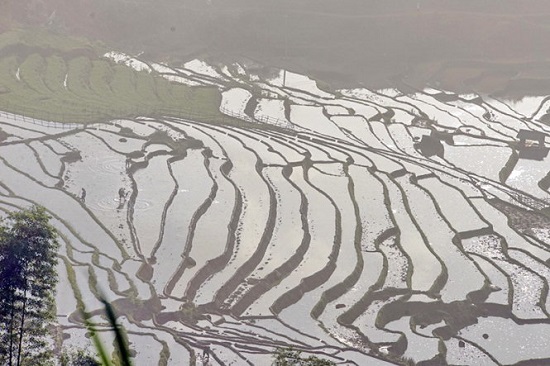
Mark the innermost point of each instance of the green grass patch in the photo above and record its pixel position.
(8, 70)
(31, 71)
(78, 75)
(56, 69)
(101, 75)
(146, 87)
(96, 89)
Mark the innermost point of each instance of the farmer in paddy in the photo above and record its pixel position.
(121, 195)
(206, 354)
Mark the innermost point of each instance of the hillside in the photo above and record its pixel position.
(489, 46)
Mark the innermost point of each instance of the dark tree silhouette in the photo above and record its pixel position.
(28, 247)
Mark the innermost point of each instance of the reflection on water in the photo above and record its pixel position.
(106, 165)
(143, 205)
(347, 232)
(105, 204)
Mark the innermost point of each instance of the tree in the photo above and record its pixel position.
(28, 247)
(291, 357)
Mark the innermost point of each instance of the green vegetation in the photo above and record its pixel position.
(291, 357)
(28, 256)
(61, 79)
(122, 356)
(78, 357)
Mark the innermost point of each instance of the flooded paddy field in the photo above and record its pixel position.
(368, 227)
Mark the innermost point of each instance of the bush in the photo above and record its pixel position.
(291, 357)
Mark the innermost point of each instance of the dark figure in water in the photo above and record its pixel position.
(83, 195)
(206, 355)
(121, 198)
(122, 195)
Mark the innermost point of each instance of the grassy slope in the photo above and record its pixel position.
(35, 65)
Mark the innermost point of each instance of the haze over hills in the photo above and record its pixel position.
(487, 46)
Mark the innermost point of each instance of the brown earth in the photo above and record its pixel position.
(485, 46)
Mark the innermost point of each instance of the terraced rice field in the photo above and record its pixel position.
(367, 227)
(61, 79)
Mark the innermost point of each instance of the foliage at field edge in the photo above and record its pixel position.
(28, 256)
(292, 357)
